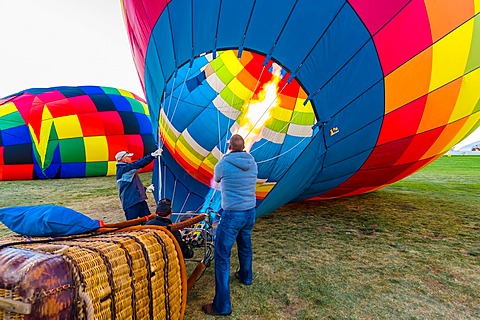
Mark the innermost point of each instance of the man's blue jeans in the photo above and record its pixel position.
(233, 226)
(137, 211)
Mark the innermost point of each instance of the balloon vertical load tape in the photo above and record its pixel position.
(109, 276)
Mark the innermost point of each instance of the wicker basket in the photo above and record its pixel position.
(138, 273)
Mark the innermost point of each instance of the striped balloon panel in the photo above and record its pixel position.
(69, 132)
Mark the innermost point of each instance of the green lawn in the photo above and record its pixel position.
(408, 251)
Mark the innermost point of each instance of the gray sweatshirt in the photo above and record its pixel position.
(237, 173)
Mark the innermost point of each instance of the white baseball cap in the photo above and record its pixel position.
(122, 154)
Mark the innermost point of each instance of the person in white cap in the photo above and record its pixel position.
(130, 187)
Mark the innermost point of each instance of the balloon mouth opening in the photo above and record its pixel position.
(214, 97)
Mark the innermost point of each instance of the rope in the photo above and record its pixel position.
(281, 154)
(87, 301)
(149, 273)
(174, 190)
(80, 283)
(165, 274)
(215, 188)
(231, 102)
(171, 95)
(181, 91)
(162, 140)
(185, 201)
(160, 185)
(164, 180)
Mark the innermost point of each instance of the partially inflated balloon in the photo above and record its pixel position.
(335, 98)
(70, 132)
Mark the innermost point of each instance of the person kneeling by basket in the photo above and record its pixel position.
(163, 213)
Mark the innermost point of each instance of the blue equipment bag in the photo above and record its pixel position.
(47, 221)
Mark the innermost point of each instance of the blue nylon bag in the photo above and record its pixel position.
(47, 221)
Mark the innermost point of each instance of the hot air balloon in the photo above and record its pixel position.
(335, 98)
(70, 132)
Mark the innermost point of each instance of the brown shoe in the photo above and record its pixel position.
(237, 275)
(208, 309)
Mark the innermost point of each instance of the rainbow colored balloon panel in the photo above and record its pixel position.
(335, 98)
(70, 132)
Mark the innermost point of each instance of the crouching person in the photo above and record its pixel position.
(163, 214)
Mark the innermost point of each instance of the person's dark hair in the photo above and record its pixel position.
(237, 143)
(187, 250)
(164, 207)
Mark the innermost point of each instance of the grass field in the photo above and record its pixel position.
(408, 251)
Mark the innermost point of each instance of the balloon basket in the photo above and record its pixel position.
(137, 270)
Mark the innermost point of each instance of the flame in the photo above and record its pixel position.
(256, 113)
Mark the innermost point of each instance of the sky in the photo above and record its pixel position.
(47, 43)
